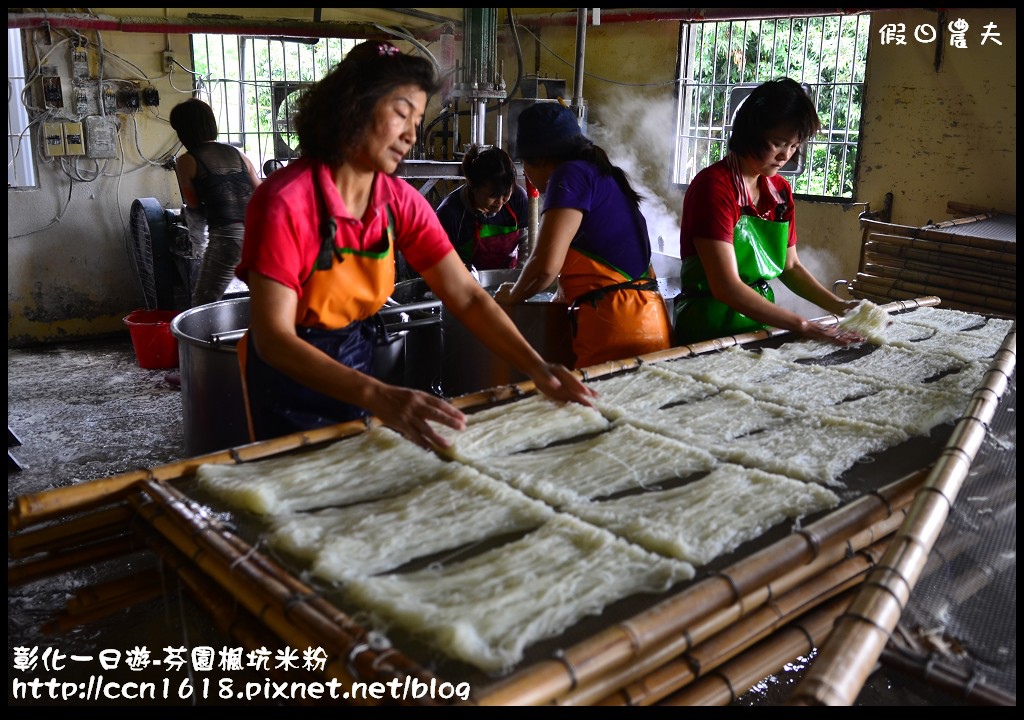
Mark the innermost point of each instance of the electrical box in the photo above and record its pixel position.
(129, 99)
(74, 143)
(167, 60)
(109, 98)
(53, 94)
(79, 64)
(53, 139)
(150, 97)
(101, 136)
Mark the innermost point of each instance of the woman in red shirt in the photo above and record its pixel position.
(319, 259)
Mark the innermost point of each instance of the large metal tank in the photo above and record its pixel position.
(454, 362)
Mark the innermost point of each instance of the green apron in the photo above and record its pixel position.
(760, 246)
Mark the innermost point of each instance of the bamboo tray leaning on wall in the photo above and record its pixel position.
(970, 262)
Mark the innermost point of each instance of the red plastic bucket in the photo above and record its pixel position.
(155, 346)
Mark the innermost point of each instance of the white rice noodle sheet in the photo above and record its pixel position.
(702, 520)
(809, 387)
(720, 366)
(714, 421)
(488, 609)
(812, 449)
(965, 382)
(647, 388)
(533, 422)
(624, 458)
(374, 463)
(900, 366)
(967, 345)
(914, 409)
(943, 319)
(460, 508)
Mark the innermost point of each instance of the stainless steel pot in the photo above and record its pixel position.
(455, 362)
(213, 404)
(213, 408)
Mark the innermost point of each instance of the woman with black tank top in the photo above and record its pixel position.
(218, 180)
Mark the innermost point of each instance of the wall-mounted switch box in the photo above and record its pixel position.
(74, 143)
(53, 93)
(53, 139)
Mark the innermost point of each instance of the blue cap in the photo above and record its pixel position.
(547, 129)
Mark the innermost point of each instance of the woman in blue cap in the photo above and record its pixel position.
(593, 239)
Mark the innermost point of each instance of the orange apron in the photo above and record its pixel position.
(335, 314)
(612, 319)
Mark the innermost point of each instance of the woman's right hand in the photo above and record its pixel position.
(407, 411)
(503, 294)
(831, 333)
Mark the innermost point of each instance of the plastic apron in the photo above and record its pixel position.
(612, 319)
(760, 246)
(278, 405)
(495, 245)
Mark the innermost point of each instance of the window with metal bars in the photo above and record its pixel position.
(252, 84)
(723, 61)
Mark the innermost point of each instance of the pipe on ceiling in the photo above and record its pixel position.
(370, 31)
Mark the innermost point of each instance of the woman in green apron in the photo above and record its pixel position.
(738, 229)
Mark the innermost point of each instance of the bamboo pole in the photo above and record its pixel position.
(933, 259)
(882, 256)
(953, 680)
(35, 508)
(230, 618)
(675, 645)
(87, 598)
(926, 235)
(732, 640)
(92, 526)
(948, 294)
(733, 679)
(964, 283)
(624, 642)
(959, 208)
(853, 650)
(295, 617)
(62, 561)
(66, 621)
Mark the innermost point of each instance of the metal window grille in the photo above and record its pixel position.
(827, 54)
(252, 84)
(21, 171)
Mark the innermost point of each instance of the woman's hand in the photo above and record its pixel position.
(831, 333)
(560, 383)
(407, 411)
(503, 294)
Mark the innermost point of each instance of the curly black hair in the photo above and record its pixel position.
(334, 113)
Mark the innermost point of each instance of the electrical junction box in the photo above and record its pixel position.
(53, 139)
(101, 136)
(53, 93)
(74, 143)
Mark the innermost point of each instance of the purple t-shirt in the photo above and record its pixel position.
(613, 229)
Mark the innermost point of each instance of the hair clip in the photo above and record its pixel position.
(387, 50)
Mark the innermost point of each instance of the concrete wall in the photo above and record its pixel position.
(930, 136)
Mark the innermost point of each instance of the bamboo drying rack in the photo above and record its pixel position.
(972, 273)
(740, 623)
